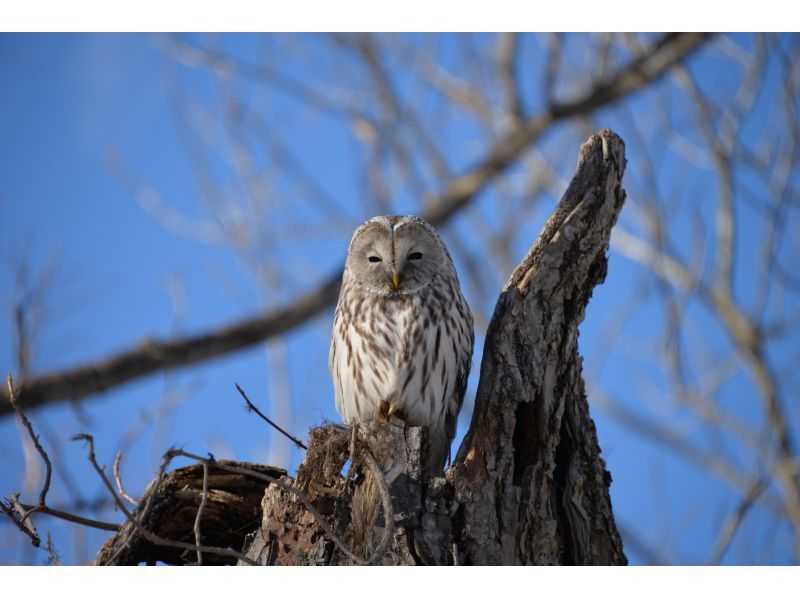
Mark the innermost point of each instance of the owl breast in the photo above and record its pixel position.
(403, 349)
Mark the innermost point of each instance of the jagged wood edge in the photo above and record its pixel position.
(531, 456)
(233, 510)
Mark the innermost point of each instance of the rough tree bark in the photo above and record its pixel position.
(169, 509)
(528, 484)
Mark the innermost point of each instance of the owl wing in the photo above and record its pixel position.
(337, 367)
(463, 365)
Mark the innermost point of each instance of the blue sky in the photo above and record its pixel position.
(73, 104)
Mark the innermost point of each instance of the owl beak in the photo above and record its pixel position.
(395, 280)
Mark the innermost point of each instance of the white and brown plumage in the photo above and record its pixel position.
(402, 332)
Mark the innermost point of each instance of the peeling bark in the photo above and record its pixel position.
(528, 484)
(233, 510)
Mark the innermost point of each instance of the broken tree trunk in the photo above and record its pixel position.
(169, 508)
(528, 485)
(529, 476)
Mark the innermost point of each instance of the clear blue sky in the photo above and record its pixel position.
(71, 101)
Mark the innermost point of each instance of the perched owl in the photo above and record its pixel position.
(402, 332)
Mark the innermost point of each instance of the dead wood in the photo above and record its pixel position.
(528, 485)
(233, 509)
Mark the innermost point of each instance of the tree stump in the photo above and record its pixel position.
(528, 485)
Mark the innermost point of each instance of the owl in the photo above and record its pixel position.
(402, 332)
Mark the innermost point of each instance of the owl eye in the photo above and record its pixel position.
(374, 258)
(415, 256)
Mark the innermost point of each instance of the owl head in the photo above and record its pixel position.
(396, 254)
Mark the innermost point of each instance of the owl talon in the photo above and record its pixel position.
(387, 410)
(384, 411)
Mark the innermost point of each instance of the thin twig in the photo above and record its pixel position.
(52, 555)
(66, 516)
(26, 422)
(200, 509)
(553, 67)
(118, 480)
(508, 67)
(14, 507)
(251, 407)
(25, 525)
(168, 456)
(634, 543)
(734, 522)
(165, 460)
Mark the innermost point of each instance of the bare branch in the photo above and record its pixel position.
(508, 58)
(118, 480)
(154, 355)
(713, 464)
(19, 516)
(552, 67)
(633, 542)
(52, 555)
(71, 517)
(254, 409)
(749, 342)
(728, 531)
(15, 508)
(12, 399)
(200, 509)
